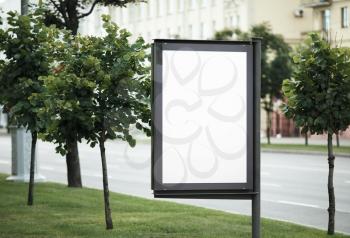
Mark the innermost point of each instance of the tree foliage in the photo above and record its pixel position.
(27, 45)
(100, 83)
(319, 93)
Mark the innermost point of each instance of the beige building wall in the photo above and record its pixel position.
(286, 17)
(337, 32)
(200, 19)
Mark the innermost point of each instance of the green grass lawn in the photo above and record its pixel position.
(65, 212)
(301, 147)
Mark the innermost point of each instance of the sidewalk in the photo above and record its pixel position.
(301, 140)
(274, 140)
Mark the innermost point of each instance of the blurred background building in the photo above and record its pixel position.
(200, 19)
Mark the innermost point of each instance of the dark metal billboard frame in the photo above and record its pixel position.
(249, 190)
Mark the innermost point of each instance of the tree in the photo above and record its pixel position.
(103, 87)
(275, 63)
(26, 45)
(67, 14)
(318, 97)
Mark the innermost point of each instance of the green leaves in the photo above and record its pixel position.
(27, 45)
(317, 95)
(276, 63)
(74, 87)
(100, 90)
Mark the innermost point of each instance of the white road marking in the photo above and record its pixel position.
(4, 162)
(271, 185)
(304, 205)
(306, 169)
(299, 204)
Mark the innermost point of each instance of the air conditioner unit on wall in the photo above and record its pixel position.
(298, 12)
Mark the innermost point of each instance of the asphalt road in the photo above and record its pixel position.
(294, 187)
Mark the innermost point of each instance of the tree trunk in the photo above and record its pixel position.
(72, 22)
(108, 215)
(24, 7)
(337, 137)
(331, 196)
(73, 25)
(306, 139)
(32, 167)
(73, 165)
(268, 127)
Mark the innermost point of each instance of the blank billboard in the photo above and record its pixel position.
(204, 101)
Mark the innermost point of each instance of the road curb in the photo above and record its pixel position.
(304, 152)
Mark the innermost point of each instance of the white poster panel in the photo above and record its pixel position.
(204, 116)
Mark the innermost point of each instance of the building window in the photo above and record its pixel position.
(203, 3)
(189, 31)
(201, 30)
(158, 8)
(344, 17)
(143, 11)
(138, 11)
(121, 15)
(132, 13)
(161, 8)
(180, 5)
(326, 15)
(192, 4)
(231, 22)
(179, 33)
(168, 32)
(125, 15)
(169, 6)
(149, 13)
(237, 21)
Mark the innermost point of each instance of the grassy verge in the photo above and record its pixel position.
(311, 148)
(64, 212)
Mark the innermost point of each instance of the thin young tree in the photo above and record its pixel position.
(68, 14)
(103, 86)
(26, 45)
(318, 97)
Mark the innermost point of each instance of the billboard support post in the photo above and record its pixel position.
(256, 200)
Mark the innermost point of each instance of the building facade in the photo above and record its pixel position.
(200, 19)
(331, 18)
